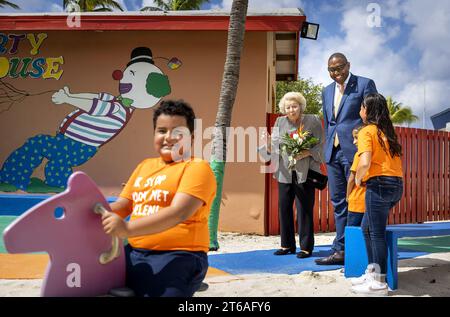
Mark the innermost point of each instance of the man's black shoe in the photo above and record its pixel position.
(203, 287)
(337, 258)
(285, 251)
(303, 254)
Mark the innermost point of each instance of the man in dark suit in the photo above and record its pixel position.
(341, 103)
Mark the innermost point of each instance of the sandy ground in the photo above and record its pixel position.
(424, 276)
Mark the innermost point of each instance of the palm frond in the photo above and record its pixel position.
(400, 114)
(177, 5)
(162, 4)
(94, 5)
(151, 9)
(102, 9)
(4, 3)
(112, 4)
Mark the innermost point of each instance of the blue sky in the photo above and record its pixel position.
(407, 54)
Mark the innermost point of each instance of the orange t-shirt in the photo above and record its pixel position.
(382, 163)
(357, 197)
(152, 187)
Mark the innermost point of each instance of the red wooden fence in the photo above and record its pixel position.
(426, 171)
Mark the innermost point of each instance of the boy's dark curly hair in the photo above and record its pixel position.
(378, 114)
(175, 108)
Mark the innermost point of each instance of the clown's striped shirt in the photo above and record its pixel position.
(106, 118)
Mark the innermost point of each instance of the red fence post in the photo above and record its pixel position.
(323, 210)
(273, 226)
(430, 176)
(316, 210)
(414, 169)
(436, 175)
(441, 176)
(406, 218)
(424, 170)
(274, 220)
(400, 217)
(316, 213)
(331, 222)
(420, 188)
(447, 174)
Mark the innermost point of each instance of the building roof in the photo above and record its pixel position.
(285, 23)
(201, 20)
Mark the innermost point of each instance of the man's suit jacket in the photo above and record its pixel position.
(348, 114)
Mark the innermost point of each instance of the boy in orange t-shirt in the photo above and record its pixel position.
(169, 199)
(356, 195)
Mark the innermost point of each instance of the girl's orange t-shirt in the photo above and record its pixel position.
(357, 197)
(382, 163)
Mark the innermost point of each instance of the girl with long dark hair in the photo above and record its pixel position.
(380, 170)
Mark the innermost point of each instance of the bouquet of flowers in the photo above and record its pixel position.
(294, 143)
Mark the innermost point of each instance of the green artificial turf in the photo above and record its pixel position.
(4, 222)
(429, 244)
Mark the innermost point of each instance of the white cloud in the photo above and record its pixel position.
(31, 6)
(430, 35)
(56, 8)
(43, 6)
(365, 47)
(133, 5)
(392, 9)
(122, 4)
(426, 96)
(369, 51)
(148, 3)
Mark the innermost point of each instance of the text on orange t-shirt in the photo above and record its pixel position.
(151, 188)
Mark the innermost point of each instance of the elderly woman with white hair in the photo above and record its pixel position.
(293, 184)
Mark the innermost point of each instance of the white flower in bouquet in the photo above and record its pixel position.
(292, 162)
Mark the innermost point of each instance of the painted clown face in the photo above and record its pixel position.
(143, 85)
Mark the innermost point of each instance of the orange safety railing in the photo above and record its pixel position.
(426, 171)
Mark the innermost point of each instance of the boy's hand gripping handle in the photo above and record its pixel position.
(110, 255)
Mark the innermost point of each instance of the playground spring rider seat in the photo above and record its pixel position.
(83, 259)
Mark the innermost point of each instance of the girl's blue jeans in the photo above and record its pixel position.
(382, 193)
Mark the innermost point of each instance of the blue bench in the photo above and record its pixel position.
(17, 204)
(355, 249)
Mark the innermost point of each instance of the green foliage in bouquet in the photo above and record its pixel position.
(294, 143)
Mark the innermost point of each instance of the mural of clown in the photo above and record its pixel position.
(98, 118)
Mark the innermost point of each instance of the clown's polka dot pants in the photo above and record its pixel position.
(62, 153)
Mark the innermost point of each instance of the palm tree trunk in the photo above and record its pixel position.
(230, 80)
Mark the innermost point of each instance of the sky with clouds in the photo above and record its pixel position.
(404, 45)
